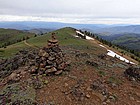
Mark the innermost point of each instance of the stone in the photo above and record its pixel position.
(68, 62)
(132, 98)
(48, 67)
(57, 50)
(61, 66)
(45, 54)
(112, 98)
(32, 71)
(43, 58)
(88, 96)
(66, 85)
(104, 103)
(42, 69)
(12, 76)
(89, 89)
(51, 58)
(42, 65)
(59, 61)
(53, 69)
(49, 62)
(41, 52)
(58, 72)
(53, 41)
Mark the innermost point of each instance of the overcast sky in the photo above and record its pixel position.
(72, 11)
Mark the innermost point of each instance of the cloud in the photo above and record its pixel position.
(80, 11)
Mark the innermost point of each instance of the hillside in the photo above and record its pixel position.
(128, 40)
(10, 36)
(131, 41)
(89, 76)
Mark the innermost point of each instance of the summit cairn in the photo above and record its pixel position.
(51, 59)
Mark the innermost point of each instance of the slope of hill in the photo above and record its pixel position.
(92, 77)
(128, 40)
(10, 36)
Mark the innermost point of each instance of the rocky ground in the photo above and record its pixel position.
(91, 78)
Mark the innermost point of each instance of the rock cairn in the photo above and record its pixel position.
(50, 59)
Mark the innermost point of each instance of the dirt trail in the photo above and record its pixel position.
(30, 45)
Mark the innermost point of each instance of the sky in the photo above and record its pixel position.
(72, 11)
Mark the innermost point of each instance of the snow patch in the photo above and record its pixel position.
(76, 36)
(80, 33)
(87, 37)
(113, 54)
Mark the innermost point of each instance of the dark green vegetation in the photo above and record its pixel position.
(128, 40)
(11, 36)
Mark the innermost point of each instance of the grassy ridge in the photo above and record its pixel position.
(65, 37)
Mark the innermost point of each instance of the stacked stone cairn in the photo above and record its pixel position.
(51, 59)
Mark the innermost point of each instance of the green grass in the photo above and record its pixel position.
(64, 35)
(115, 80)
(12, 49)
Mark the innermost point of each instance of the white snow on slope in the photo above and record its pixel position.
(102, 46)
(80, 33)
(87, 37)
(113, 54)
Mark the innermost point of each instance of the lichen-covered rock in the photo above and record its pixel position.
(133, 73)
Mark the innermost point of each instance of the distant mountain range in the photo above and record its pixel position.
(119, 29)
(27, 25)
(39, 31)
